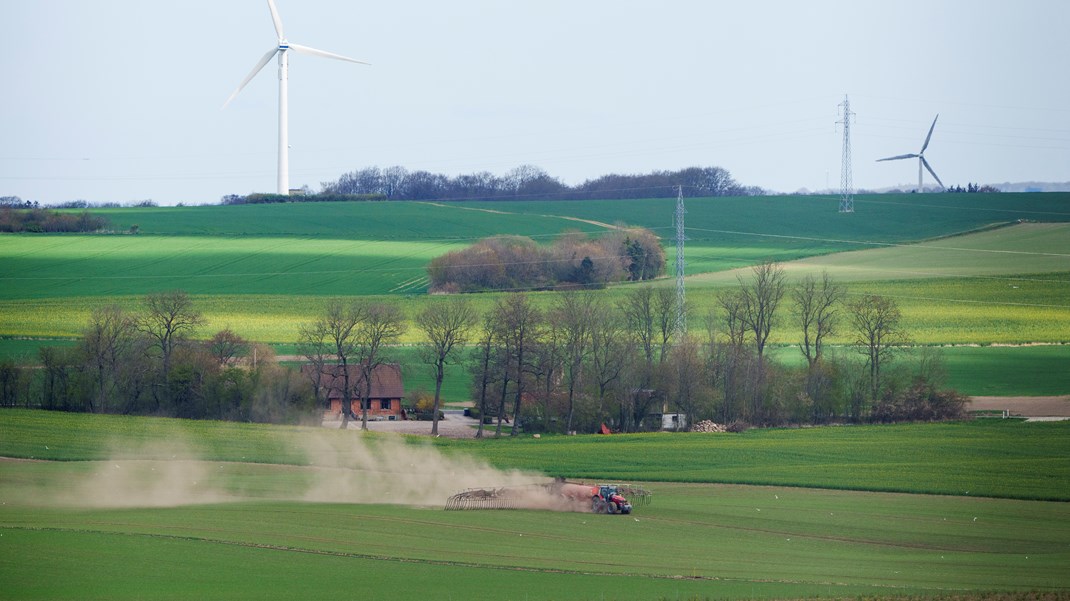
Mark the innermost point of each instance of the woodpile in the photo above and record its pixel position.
(708, 426)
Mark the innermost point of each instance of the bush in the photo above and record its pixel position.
(920, 402)
(738, 426)
(572, 261)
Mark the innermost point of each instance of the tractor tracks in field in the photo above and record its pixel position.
(434, 562)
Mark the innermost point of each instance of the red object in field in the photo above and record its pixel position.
(606, 430)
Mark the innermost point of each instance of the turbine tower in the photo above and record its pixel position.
(847, 198)
(921, 159)
(283, 49)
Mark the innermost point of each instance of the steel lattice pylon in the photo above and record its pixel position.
(847, 193)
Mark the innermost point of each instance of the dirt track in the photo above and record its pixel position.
(1025, 406)
(455, 425)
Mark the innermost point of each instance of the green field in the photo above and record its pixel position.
(222, 511)
(959, 274)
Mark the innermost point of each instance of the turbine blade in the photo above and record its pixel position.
(931, 128)
(260, 65)
(896, 158)
(276, 19)
(314, 52)
(933, 173)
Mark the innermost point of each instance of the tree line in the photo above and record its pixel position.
(38, 220)
(528, 182)
(573, 364)
(584, 361)
(572, 261)
(148, 362)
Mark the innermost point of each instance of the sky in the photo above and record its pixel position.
(120, 100)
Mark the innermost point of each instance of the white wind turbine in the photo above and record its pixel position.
(283, 49)
(921, 158)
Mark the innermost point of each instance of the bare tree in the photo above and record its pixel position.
(875, 320)
(226, 347)
(610, 353)
(314, 344)
(104, 344)
(169, 317)
(689, 387)
(383, 324)
(760, 300)
(574, 314)
(816, 306)
(447, 326)
(336, 327)
(637, 309)
(735, 326)
(482, 367)
(665, 317)
(520, 324)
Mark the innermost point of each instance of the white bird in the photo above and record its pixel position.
(282, 49)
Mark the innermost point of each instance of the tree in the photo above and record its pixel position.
(169, 317)
(665, 318)
(637, 309)
(314, 344)
(760, 300)
(336, 327)
(688, 388)
(519, 322)
(875, 320)
(103, 346)
(816, 306)
(482, 368)
(447, 326)
(383, 324)
(610, 353)
(226, 347)
(574, 314)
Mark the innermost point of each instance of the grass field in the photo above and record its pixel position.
(264, 270)
(264, 539)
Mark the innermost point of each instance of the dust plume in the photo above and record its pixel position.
(389, 470)
(338, 468)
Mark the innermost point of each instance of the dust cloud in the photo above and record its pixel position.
(349, 468)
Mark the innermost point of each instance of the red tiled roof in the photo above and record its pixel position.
(386, 381)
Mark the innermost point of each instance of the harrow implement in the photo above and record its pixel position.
(559, 494)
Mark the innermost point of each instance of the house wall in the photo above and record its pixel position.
(376, 409)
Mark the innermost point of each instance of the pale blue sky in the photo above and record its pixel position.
(119, 100)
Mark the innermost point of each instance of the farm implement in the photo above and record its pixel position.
(558, 495)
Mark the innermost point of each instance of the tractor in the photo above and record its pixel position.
(607, 499)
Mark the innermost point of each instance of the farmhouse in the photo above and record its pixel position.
(386, 392)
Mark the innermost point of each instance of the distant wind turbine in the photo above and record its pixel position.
(921, 158)
(283, 49)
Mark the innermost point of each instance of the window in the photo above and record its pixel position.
(384, 404)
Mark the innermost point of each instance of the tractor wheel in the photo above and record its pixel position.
(612, 507)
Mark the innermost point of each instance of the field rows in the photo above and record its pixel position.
(126, 515)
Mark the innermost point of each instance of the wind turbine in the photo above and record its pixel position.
(283, 49)
(921, 158)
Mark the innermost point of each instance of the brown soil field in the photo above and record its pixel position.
(1025, 406)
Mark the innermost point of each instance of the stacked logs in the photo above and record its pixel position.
(708, 426)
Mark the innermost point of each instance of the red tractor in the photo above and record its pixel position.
(607, 499)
